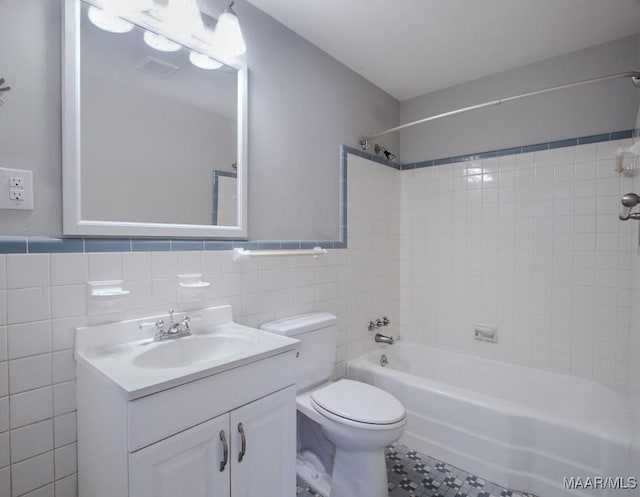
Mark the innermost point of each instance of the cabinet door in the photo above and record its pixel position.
(268, 465)
(185, 464)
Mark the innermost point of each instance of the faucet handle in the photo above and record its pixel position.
(185, 322)
(385, 321)
(159, 326)
(171, 312)
(379, 323)
(371, 326)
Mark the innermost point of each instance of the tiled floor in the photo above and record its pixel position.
(412, 474)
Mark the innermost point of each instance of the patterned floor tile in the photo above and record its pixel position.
(412, 474)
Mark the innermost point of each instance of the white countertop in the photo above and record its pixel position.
(112, 349)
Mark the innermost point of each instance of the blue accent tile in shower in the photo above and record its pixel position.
(440, 162)
(621, 135)
(572, 142)
(487, 155)
(537, 147)
(9, 245)
(55, 245)
(584, 140)
(181, 245)
(425, 163)
(508, 151)
(147, 245)
(107, 245)
(217, 245)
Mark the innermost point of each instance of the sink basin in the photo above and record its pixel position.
(186, 351)
(125, 354)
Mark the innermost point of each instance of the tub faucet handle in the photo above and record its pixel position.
(385, 321)
(371, 326)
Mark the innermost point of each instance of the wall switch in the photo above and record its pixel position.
(16, 189)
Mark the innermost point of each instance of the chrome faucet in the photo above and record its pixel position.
(175, 330)
(380, 338)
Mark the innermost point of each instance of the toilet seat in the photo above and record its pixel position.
(358, 404)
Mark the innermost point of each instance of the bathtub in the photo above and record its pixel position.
(523, 428)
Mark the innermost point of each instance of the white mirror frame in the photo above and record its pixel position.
(73, 223)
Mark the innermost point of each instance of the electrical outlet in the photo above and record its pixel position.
(16, 182)
(16, 194)
(16, 189)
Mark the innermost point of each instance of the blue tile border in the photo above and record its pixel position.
(10, 245)
(24, 245)
(148, 245)
(54, 245)
(537, 147)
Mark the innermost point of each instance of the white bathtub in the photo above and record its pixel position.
(520, 427)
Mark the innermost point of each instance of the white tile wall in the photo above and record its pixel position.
(47, 299)
(530, 243)
(634, 344)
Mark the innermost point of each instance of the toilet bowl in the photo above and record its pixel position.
(347, 424)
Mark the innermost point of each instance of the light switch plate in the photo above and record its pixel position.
(16, 189)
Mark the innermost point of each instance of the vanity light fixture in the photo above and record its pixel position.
(227, 37)
(203, 61)
(108, 21)
(160, 43)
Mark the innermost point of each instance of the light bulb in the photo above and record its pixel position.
(108, 21)
(228, 40)
(203, 61)
(182, 18)
(159, 42)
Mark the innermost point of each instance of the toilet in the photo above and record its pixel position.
(343, 426)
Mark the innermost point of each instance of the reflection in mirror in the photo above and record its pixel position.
(152, 127)
(225, 185)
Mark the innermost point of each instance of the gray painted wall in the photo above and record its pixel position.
(303, 105)
(30, 119)
(593, 109)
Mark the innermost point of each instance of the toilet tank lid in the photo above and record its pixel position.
(302, 323)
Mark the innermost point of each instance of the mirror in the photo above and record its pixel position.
(153, 145)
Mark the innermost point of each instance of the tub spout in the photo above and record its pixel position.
(380, 338)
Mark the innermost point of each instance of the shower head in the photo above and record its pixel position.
(381, 150)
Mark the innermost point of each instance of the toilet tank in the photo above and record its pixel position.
(318, 333)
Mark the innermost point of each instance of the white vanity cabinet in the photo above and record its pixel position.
(211, 458)
(224, 427)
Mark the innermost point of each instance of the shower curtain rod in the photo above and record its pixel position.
(634, 75)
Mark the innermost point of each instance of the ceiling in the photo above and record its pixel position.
(412, 47)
